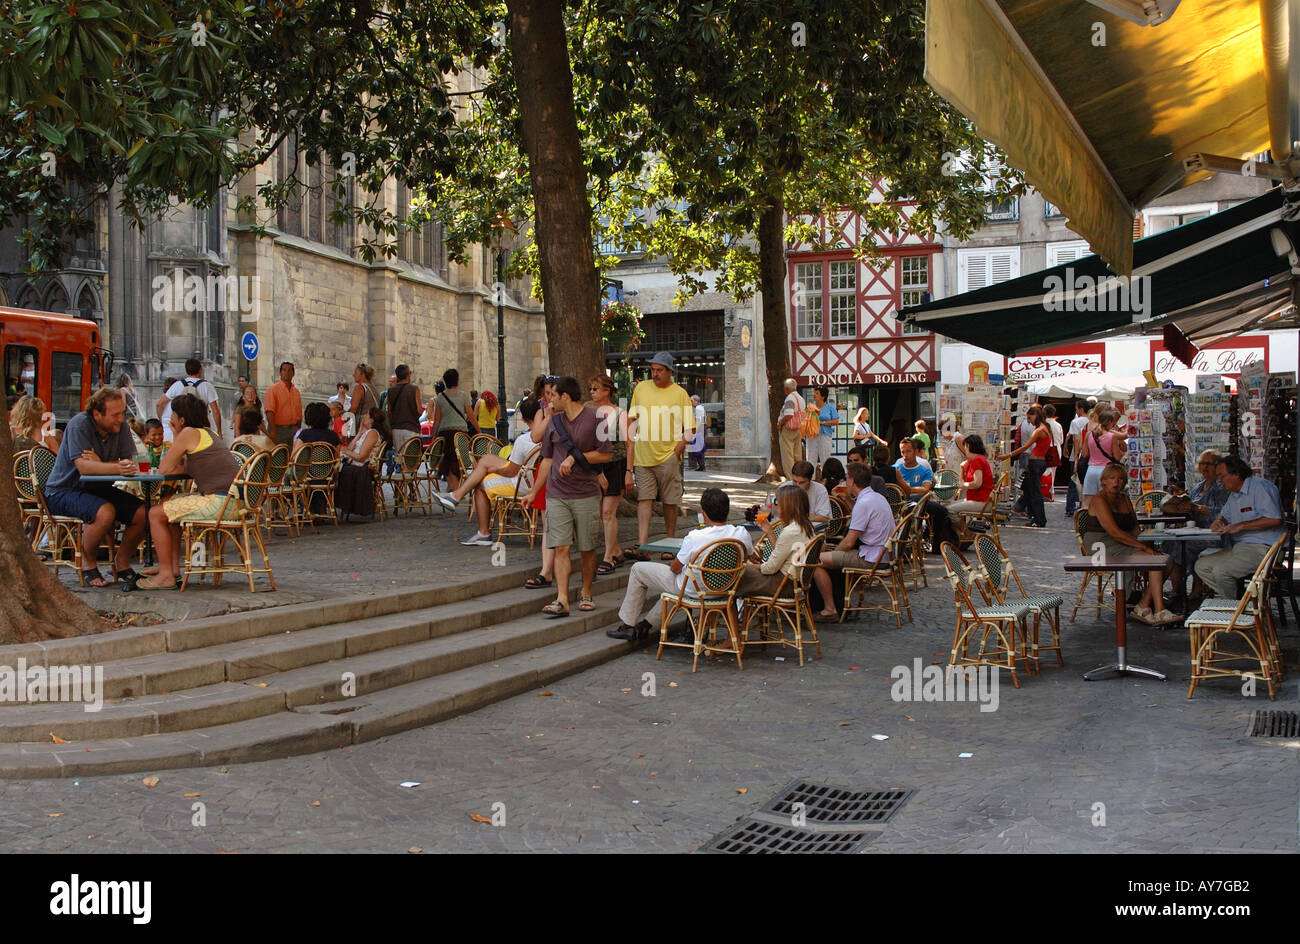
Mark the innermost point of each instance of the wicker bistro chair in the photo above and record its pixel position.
(245, 450)
(897, 499)
(504, 507)
(433, 454)
(998, 572)
(316, 473)
(1280, 578)
(708, 592)
(462, 443)
(407, 480)
(1102, 578)
(945, 484)
(1149, 504)
(989, 513)
(838, 524)
(482, 444)
(281, 508)
(888, 573)
(1250, 620)
(62, 534)
(1005, 622)
(238, 522)
(29, 507)
(915, 550)
(787, 606)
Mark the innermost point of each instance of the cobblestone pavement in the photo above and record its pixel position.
(597, 766)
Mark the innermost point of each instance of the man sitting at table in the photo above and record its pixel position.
(914, 475)
(1251, 521)
(648, 579)
(98, 442)
(870, 526)
(819, 501)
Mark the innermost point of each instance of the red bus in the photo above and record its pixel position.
(56, 357)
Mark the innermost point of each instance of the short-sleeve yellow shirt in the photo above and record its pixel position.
(664, 415)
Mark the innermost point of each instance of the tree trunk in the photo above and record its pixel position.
(559, 177)
(33, 604)
(776, 334)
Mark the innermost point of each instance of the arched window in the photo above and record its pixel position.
(56, 297)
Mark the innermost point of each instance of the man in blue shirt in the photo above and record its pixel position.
(1252, 521)
(914, 477)
(98, 442)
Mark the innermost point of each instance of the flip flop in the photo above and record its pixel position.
(145, 583)
(555, 609)
(537, 582)
(605, 567)
(586, 604)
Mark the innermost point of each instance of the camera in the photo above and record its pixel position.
(439, 386)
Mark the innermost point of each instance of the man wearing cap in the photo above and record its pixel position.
(665, 420)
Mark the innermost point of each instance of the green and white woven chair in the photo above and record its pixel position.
(237, 523)
(998, 572)
(1004, 622)
(945, 484)
(787, 606)
(887, 573)
(708, 592)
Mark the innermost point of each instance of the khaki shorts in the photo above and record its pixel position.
(841, 559)
(573, 521)
(662, 481)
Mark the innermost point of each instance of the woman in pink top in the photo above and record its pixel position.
(1105, 446)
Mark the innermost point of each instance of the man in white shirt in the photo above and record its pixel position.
(193, 382)
(819, 500)
(1077, 453)
(791, 440)
(697, 444)
(649, 579)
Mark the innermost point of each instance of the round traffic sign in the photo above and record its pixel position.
(249, 345)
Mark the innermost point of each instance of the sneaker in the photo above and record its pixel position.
(477, 540)
(447, 502)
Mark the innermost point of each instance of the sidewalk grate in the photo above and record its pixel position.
(832, 805)
(752, 837)
(1265, 724)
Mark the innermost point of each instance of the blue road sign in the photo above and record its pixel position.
(250, 345)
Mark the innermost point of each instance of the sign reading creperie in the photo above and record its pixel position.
(1058, 362)
(846, 378)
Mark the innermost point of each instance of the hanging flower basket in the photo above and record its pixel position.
(620, 326)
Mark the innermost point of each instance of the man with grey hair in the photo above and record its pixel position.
(790, 428)
(697, 445)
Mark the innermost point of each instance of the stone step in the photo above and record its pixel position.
(278, 649)
(254, 693)
(321, 727)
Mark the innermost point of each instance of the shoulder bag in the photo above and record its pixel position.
(566, 440)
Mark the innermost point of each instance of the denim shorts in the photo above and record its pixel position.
(84, 503)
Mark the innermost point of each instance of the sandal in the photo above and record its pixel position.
(619, 560)
(605, 567)
(586, 604)
(555, 609)
(635, 555)
(93, 578)
(537, 582)
(826, 618)
(667, 556)
(147, 583)
(126, 574)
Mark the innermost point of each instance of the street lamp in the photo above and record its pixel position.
(502, 230)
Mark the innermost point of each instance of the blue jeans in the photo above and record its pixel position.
(1031, 489)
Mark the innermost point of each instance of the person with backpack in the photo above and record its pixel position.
(451, 415)
(819, 428)
(193, 382)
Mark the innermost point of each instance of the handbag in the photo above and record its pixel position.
(794, 421)
(1053, 457)
(812, 424)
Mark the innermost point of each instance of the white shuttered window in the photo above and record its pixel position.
(977, 268)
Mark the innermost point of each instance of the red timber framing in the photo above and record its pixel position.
(842, 328)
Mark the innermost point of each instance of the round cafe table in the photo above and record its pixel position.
(1120, 565)
(150, 482)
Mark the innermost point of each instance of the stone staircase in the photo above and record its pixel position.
(300, 678)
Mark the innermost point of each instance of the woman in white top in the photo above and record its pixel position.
(763, 577)
(355, 492)
(862, 431)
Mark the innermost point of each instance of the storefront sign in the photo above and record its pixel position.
(1228, 358)
(845, 378)
(1058, 362)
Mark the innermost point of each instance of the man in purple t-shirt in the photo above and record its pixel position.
(572, 449)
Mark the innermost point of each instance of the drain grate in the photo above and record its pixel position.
(753, 837)
(1274, 724)
(824, 805)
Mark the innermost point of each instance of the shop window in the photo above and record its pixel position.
(65, 384)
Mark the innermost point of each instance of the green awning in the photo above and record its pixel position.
(1207, 268)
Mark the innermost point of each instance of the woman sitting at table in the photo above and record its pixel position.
(977, 483)
(791, 533)
(1112, 522)
(355, 493)
(198, 452)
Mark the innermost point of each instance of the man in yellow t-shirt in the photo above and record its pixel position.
(665, 423)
